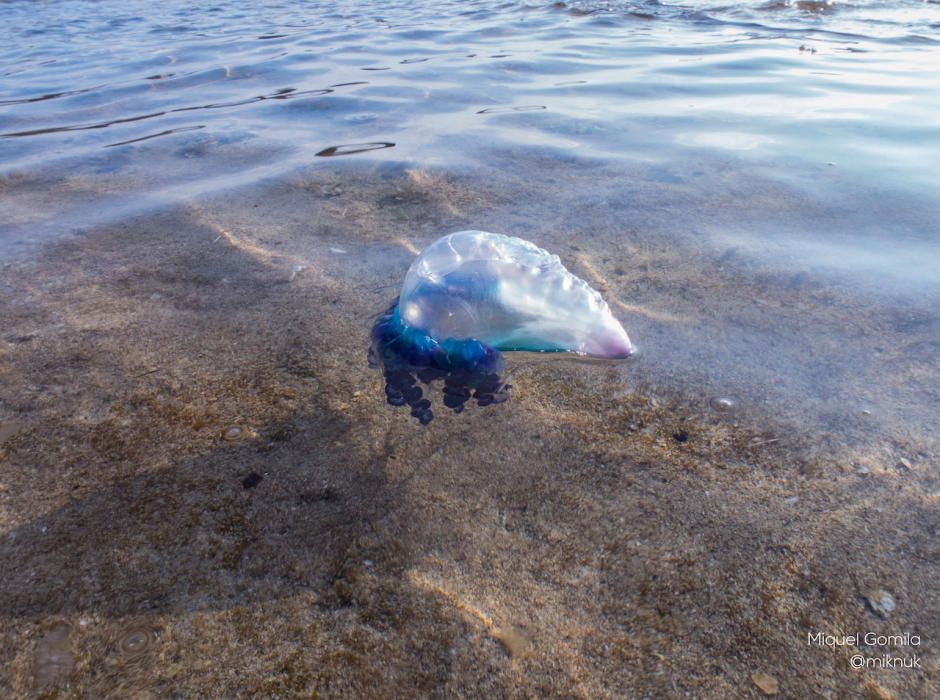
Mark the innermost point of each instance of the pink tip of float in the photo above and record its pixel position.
(616, 351)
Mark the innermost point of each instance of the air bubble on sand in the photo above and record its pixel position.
(880, 601)
(135, 642)
(723, 404)
(236, 433)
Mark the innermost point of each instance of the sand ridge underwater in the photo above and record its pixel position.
(607, 532)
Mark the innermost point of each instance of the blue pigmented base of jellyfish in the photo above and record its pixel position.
(470, 369)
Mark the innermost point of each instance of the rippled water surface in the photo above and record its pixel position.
(203, 490)
(172, 100)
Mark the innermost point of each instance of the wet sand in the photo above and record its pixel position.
(203, 493)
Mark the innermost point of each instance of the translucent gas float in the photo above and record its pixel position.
(471, 296)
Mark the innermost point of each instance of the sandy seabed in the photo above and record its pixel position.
(203, 493)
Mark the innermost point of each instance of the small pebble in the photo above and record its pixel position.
(252, 480)
(722, 404)
(862, 470)
(135, 642)
(905, 463)
(233, 434)
(767, 683)
(790, 500)
(880, 601)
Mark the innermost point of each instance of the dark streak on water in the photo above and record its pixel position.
(353, 148)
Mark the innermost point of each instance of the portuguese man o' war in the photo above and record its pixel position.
(469, 297)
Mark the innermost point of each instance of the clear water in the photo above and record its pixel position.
(672, 144)
(836, 100)
(202, 209)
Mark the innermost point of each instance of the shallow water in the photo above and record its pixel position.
(835, 100)
(203, 492)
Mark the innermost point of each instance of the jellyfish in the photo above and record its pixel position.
(468, 298)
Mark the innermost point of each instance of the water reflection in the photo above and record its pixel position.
(779, 87)
(520, 108)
